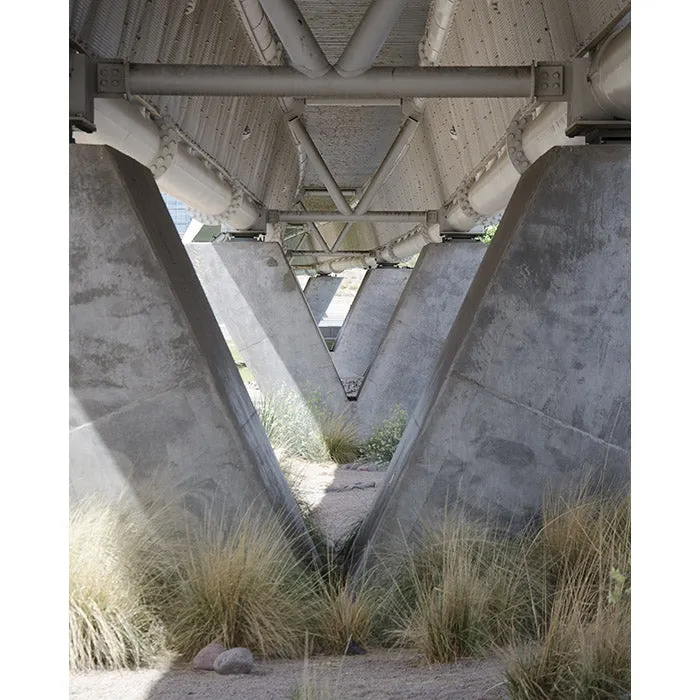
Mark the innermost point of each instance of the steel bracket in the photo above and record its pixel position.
(81, 93)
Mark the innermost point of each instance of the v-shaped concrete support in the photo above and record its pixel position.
(532, 387)
(155, 393)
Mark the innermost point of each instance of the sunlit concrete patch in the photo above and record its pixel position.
(252, 289)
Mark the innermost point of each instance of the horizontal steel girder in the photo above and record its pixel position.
(545, 81)
(295, 217)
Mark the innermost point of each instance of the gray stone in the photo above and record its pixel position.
(204, 661)
(532, 389)
(238, 660)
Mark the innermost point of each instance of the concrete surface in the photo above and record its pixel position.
(416, 333)
(367, 320)
(532, 390)
(319, 292)
(155, 397)
(252, 290)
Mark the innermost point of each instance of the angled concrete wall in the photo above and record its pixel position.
(254, 292)
(367, 320)
(533, 386)
(154, 392)
(428, 306)
(319, 292)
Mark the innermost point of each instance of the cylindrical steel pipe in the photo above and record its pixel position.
(610, 74)
(282, 81)
(298, 129)
(122, 126)
(296, 217)
(353, 102)
(297, 38)
(369, 37)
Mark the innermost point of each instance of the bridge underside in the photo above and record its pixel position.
(352, 140)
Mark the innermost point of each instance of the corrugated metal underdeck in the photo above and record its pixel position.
(248, 138)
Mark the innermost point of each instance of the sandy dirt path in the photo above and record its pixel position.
(379, 675)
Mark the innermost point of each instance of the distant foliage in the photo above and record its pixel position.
(487, 236)
(382, 445)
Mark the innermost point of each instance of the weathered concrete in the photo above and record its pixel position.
(416, 333)
(319, 292)
(533, 385)
(367, 320)
(252, 290)
(155, 395)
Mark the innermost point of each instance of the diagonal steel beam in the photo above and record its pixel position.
(297, 38)
(299, 131)
(369, 37)
(316, 231)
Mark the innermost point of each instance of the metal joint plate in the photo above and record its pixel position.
(549, 80)
(111, 77)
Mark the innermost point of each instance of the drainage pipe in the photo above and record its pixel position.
(300, 133)
(303, 50)
(176, 169)
(282, 81)
(369, 37)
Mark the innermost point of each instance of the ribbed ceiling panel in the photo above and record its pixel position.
(240, 133)
(352, 141)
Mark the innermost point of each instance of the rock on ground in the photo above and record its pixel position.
(238, 660)
(204, 661)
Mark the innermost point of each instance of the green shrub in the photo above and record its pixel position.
(383, 442)
(488, 234)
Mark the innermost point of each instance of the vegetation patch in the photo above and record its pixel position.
(382, 444)
(307, 430)
(555, 600)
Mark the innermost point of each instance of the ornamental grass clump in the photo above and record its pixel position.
(117, 569)
(581, 558)
(305, 429)
(243, 585)
(460, 592)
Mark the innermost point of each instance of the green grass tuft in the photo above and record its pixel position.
(382, 444)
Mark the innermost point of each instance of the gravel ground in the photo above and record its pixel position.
(379, 675)
(340, 496)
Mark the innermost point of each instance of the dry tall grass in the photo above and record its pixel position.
(155, 581)
(582, 558)
(116, 562)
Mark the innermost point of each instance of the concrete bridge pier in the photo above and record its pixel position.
(532, 388)
(319, 292)
(254, 292)
(424, 314)
(367, 320)
(155, 398)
